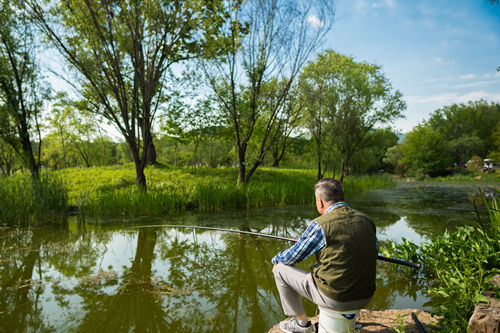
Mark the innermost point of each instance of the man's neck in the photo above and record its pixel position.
(335, 206)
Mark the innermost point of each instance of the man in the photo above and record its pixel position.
(345, 244)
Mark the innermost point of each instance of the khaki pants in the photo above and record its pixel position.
(293, 282)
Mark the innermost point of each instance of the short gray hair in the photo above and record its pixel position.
(329, 190)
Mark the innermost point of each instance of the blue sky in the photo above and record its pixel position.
(435, 52)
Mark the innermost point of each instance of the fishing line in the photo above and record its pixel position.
(379, 257)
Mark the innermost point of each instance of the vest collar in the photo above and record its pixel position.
(334, 206)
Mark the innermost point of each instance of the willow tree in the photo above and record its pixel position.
(345, 100)
(270, 40)
(121, 51)
(21, 88)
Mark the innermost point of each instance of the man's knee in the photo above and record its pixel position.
(279, 268)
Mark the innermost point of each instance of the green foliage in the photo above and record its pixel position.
(110, 192)
(476, 118)
(371, 157)
(25, 200)
(475, 163)
(424, 151)
(461, 149)
(393, 157)
(400, 323)
(458, 266)
(22, 92)
(252, 79)
(344, 100)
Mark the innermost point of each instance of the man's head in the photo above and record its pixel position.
(327, 191)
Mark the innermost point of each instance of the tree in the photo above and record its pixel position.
(424, 151)
(121, 52)
(467, 129)
(463, 148)
(393, 157)
(371, 157)
(345, 100)
(476, 118)
(21, 90)
(288, 125)
(269, 41)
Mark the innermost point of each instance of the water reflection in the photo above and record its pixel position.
(114, 278)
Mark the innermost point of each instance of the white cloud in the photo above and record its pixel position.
(467, 76)
(315, 21)
(364, 6)
(390, 3)
(464, 77)
(483, 83)
(450, 98)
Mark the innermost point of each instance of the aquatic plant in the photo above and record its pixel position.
(110, 192)
(25, 200)
(458, 266)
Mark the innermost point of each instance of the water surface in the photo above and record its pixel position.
(109, 277)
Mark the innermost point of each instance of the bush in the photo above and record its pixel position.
(458, 266)
(475, 163)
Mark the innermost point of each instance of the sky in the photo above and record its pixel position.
(435, 52)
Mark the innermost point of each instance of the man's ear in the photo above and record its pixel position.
(321, 203)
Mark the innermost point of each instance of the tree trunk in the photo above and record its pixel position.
(318, 147)
(63, 147)
(139, 176)
(151, 156)
(195, 156)
(28, 156)
(343, 170)
(139, 165)
(241, 166)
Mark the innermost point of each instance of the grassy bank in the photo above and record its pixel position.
(111, 192)
(464, 176)
(26, 201)
(458, 266)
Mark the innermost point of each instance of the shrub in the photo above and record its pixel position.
(457, 266)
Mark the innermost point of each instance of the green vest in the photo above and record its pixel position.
(346, 265)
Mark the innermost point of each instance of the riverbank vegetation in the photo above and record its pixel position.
(458, 139)
(111, 193)
(26, 201)
(457, 266)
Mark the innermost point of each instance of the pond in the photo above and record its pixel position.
(109, 277)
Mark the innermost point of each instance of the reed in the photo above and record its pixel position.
(28, 201)
(110, 192)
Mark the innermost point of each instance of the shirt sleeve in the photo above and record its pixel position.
(311, 241)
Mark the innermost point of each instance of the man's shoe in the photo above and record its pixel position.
(293, 326)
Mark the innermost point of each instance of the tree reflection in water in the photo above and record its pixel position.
(108, 278)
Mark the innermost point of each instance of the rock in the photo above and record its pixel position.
(386, 321)
(486, 317)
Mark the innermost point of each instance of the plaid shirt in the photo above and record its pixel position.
(312, 240)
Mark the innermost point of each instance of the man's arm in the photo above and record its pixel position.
(311, 241)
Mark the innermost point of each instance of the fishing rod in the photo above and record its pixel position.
(379, 257)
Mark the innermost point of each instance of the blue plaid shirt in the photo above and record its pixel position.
(312, 240)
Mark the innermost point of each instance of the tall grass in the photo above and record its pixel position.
(26, 201)
(111, 192)
(458, 266)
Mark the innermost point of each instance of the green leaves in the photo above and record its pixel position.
(458, 266)
(345, 100)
